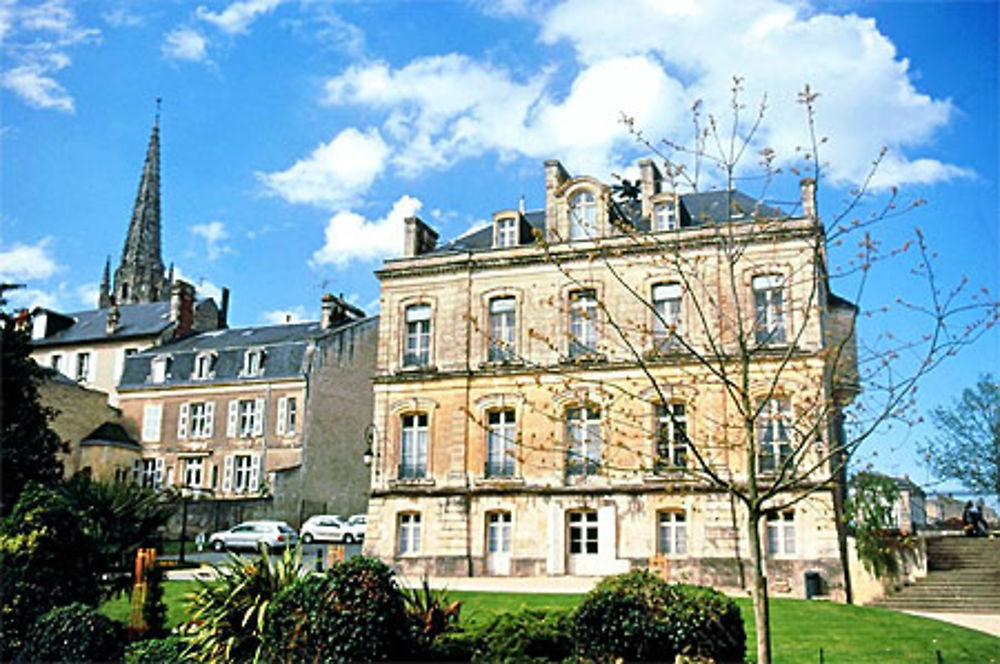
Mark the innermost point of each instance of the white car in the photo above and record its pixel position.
(358, 524)
(330, 528)
(251, 534)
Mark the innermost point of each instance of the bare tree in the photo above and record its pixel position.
(764, 341)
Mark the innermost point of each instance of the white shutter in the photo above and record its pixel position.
(152, 413)
(209, 418)
(234, 417)
(607, 547)
(182, 421)
(556, 558)
(227, 474)
(137, 471)
(119, 364)
(282, 415)
(254, 473)
(170, 476)
(258, 417)
(158, 477)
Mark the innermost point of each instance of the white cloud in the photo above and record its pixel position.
(184, 43)
(34, 43)
(88, 294)
(204, 287)
(337, 173)
(349, 236)
(122, 18)
(27, 262)
(237, 17)
(214, 233)
(295, 314)
(29, 298)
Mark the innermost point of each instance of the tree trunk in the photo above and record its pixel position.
(758, 589)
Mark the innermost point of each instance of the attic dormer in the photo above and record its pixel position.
(510, 229)
(576, 208)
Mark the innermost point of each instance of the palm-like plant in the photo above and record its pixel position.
(227, 614)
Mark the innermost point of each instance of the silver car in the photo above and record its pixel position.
(252, 534)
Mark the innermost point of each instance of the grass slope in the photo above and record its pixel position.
(847, 634)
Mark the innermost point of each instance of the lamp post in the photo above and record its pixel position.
(185, 489)
(371, 434)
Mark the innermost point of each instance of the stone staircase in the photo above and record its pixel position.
(963, 576)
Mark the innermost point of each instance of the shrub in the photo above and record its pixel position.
(430, 612)
(638, 617)
(227, 614)
(73, 633)
(156, 651)
(353, 613)
(528, 636)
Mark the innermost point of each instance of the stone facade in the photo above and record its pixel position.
(517, 432)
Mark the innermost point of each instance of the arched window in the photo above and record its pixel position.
(413, 446)
(582, 216)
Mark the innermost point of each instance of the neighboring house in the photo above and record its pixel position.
(228, 413)
(910, 510)
(946, 510)
(95, 432)
(142, 308)
(509, 435)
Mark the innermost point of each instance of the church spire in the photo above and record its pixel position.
(139, 277)
(104, 299)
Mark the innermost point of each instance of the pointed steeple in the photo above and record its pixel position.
(104, 299)
(140, 276)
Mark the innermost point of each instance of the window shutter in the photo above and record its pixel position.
(234, 414)
(227, 474)
(282, 415)
(254, 473)
(209, 418)
(258, 417)
(158, 477)
(182, 421)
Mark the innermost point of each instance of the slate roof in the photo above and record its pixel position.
(137, 320)
(284, 349)
(110, 433)
(697, 209)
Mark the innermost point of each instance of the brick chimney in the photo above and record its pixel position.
(808, 187)
(555, 176)
(419, 239)
(113, 321)
(649, 177)
(181, 307)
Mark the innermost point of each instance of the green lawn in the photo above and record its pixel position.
(847, 634)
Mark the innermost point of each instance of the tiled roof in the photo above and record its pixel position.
(137, 320)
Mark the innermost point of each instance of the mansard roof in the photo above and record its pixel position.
(285, 349)
(696, 209)
(137, 320)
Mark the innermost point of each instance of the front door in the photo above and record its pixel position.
(582, 544)
(498, 543)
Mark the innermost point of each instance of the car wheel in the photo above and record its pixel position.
(218, 546)
(348, 539)
(307, 538)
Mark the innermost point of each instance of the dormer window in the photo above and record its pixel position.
(253, 363)
(204, 366)
(665, 217)
(506, 232)
(582, 216)
(159, 369)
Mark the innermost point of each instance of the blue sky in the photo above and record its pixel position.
(297, 134)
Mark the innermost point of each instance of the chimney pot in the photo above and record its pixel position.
(808, 188)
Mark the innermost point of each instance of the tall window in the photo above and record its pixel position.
(583, 532)
(408, 533)
(582, 216)
(583, 438)
(665, 217)
(582, 323)
(287, 416)
(413, 446)
(671, 436)
(418, 335)
(83, 366)
(246, 418)
(201, 419)
(56, 363)
(503, 317)
(498, 532)
(672, 533)
(500, 441)
(152, 473)
(667, 315)
(773, 439)
(242, 472)
(781, 532)
(204, 366)
(193, 472)
(159, 368)
(769, 312)
(506, 232)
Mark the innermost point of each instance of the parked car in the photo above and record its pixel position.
(330, 528)
(358, 524)
(251, 534)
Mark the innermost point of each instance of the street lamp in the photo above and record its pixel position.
(184, 489)
(370, 436)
